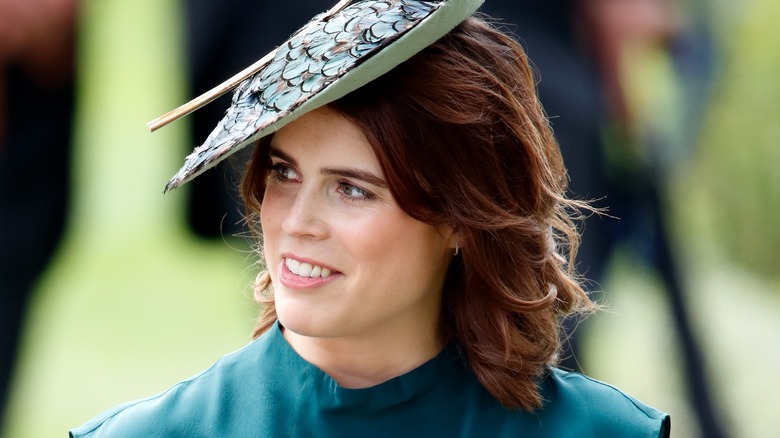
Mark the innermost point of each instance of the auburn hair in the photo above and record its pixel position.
(462, 140)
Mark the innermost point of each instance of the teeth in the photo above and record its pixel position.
(306, 269)
(293, 265)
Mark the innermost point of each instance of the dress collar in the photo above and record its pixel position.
(443, 368)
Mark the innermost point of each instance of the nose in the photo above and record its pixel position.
(306, 215)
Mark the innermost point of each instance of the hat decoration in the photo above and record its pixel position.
(335, 53)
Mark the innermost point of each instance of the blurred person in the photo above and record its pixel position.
(579, 48)
(642, 152)
(36, 115)
(417, 239)
(569, 88)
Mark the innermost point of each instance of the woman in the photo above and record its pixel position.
(414, 234)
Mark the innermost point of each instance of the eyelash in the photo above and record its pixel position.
(277, 171)
(345, 186)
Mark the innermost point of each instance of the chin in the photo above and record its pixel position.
(301, 322)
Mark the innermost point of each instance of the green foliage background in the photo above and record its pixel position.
(738, 169)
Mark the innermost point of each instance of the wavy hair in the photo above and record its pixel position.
(463, 140)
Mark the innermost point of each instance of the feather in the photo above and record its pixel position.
(315, 57)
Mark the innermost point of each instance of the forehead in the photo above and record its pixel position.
(324, 132)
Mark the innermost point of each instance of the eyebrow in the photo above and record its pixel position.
(345, 172)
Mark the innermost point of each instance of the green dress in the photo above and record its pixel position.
(267, 390)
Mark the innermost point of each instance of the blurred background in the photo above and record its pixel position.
(132, 301)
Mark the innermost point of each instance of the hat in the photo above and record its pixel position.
(335, 53)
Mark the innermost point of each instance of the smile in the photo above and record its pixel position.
(303, 269)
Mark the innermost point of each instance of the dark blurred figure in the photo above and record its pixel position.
(36, 115)
(577, 47)
(224, 37)
(570, 90)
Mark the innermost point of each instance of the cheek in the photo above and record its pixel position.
(270, 220)
(269, 210)
(398, 244)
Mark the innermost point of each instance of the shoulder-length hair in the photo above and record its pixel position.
(462, 140)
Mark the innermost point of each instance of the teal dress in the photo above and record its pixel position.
(267, 390)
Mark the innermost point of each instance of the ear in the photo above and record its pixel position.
(452, 237)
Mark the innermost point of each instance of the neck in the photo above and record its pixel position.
(365, 361)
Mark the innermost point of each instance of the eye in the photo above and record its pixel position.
(353, 192)
(281, 173)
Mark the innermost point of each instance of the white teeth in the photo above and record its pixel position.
(293, 265)
(306, 269)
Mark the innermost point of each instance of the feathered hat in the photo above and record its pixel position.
(337, 52)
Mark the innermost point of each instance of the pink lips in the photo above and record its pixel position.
(288, 279)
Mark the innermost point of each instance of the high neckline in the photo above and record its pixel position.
(448, 364)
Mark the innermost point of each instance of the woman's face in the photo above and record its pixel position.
(344, 259)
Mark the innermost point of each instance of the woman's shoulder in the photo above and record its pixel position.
(593, 408)
(214, 403)
(183, 408)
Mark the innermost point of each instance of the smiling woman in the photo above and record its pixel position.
(327, 208)
(417, 242)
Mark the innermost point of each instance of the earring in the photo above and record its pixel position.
(457, 248)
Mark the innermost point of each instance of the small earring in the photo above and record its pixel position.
(457, 248)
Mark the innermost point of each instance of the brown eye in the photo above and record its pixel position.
(353, 192)
(282, 173)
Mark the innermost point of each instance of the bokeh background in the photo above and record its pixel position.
(133, 303)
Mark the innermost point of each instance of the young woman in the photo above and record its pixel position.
(416, 240)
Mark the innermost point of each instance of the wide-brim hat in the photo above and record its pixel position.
(337, 52)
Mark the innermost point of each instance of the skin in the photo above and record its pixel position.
(377, 315)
